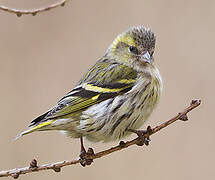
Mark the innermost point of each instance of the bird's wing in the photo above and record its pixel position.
(103, 81)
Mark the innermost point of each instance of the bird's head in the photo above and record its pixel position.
(134, 48)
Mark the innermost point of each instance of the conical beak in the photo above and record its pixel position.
(146, 57)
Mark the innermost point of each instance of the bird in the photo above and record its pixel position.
(114, 97)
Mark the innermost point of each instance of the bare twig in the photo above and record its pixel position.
(58, 165)
(33, 12)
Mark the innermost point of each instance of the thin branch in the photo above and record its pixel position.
(33, 12)
(58, 165)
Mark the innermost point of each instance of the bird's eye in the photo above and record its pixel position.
(133, 50)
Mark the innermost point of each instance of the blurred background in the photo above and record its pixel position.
(42, 58)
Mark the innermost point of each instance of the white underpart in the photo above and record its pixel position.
(100, 115)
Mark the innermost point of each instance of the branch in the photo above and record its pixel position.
(58, 165)
(33, 12)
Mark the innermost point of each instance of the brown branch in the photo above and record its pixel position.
(58, 165)
(33, 12)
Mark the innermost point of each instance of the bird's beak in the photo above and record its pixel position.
(146, 57)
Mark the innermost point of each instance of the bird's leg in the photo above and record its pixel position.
(143, 136)
(83, 151)
(85, 155)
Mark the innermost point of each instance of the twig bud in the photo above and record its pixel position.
(183, 117)
(57, 169)
(122, 144)
(19, 14)
(33, 164)
(15, 175)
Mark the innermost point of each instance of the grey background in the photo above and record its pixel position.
(42, 57)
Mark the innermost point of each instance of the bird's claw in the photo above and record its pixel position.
(86, 157)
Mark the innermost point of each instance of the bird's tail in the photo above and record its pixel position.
(34, 128)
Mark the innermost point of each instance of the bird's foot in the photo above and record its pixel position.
(143, 136)
(86, 157)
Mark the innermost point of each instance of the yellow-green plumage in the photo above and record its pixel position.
(118, 93)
